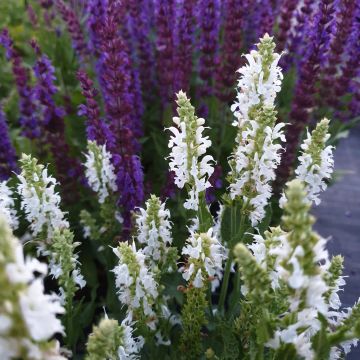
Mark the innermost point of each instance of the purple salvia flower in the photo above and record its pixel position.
(7, 152)
(130, 180)
(349, 74)
(230, 58)
(116, 82)
(141, 16)
(208, 43)
(303, 100)
(96, 129)
(96, 10)
(68, 169)
(184, 45)
(165, 49)
(74, 28)
(266, 18)
(28, 116)
(32, 15)
(286, 14)
(337, 47)
(296, 37)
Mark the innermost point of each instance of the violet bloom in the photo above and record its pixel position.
(142, 15)
(184, 45)
(286, 14)
(68, 169)
(345, 19)
(230, 58)
(116, 83)
(116, 80)
(7, 151)
(165, 49)
(349, 71)
(28, 115)
(308, 76)
(296, 36)
(73, 25)
(96, 13)
(32, 15)
(208, 43)
(96, 129)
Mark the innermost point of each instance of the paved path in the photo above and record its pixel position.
(338, 217)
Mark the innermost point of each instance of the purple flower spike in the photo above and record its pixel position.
(69, 170)
(296, 37)
(74, 28)
(346, 27)
(116, 81)
(96, 13)
(305, 88)
(184, 46)
(32, 15)
(96, 128)
(7, 151)
(28, 116)
(286, 13)
(209, 25)
(230, 58)
(141, 17)
(129, 181)
(117, 84)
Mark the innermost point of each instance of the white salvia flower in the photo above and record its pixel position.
(154, 230)
(38, 309)
(38, 198)
(188, 147)
(257, 152)
(136, 285)
(7, 205)
(316, 161)
(205, 258)
(27, 315)
(131, 346)
(100, 172)
(259, 82)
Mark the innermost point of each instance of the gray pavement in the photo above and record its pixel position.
(338, 217)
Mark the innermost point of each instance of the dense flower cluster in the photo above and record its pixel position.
(295, 262)
(212, 280)
(188, 145)
(316, 161)
(257, 153)
(154, 230)
(100, 171)
(205, 258)
(24, 307)
(39, 200)
(136, 285)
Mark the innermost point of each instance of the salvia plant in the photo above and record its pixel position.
(156, 186)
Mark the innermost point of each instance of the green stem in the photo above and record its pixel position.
(225, 283)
